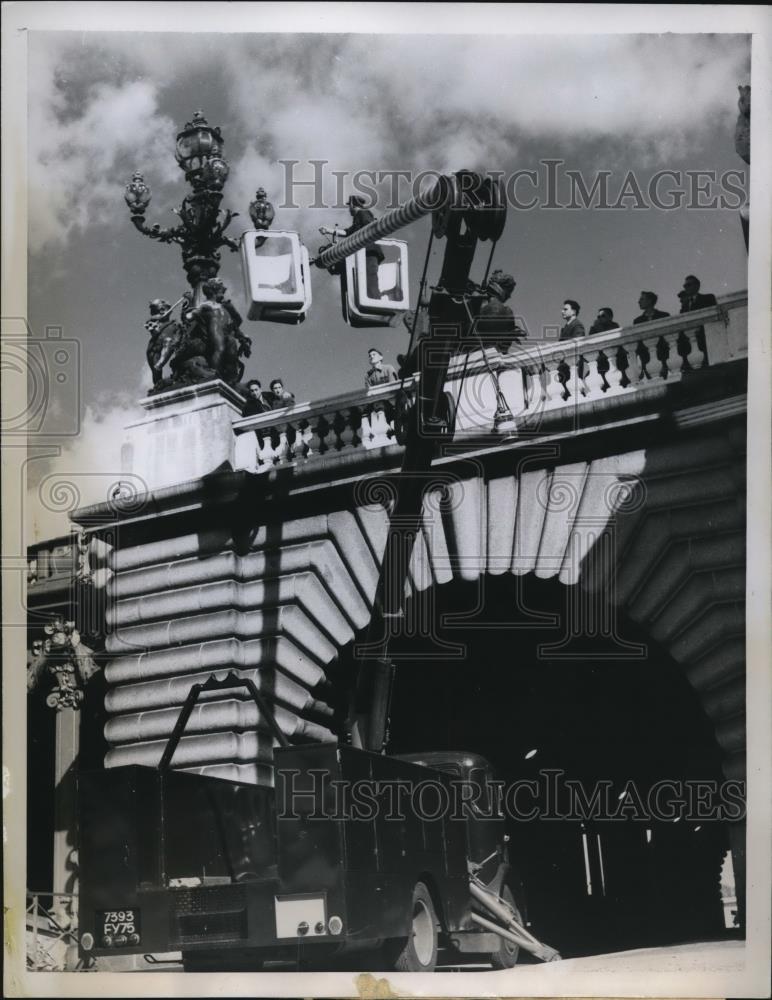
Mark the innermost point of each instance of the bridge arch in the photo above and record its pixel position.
(548, 717)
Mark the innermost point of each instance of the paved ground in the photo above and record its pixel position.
(722, 957)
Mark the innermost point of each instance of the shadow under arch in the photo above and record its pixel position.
(599, 715)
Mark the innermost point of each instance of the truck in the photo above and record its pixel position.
(351, 856)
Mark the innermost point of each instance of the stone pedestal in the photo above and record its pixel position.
(188, 433)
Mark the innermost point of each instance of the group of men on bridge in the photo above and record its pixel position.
(690, 296)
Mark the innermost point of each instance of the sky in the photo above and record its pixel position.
(102, 105)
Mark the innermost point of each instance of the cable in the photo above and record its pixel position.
(421, 288)
(490, 261)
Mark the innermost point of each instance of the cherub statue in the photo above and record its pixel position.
(261, 211)
(165, 337)
(217, 324)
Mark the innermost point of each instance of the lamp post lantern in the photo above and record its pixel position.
(201, 233)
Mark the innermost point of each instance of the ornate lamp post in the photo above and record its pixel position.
(207, 342)
(201, 233)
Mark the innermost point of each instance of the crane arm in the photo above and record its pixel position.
(466, 208)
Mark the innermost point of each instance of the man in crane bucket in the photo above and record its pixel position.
(361, 217)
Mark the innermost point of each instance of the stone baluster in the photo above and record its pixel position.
(664, 352)
(366, 431)
(346, 425)
(604, 367)
(608, 369)
(303, 441)
(692, 348)
(558, 381)
(622, 366)
(265, 449)
(683, 347)
(355, 421)
(563, 376)
(380, 423)
(294, 439)
(283, 446)
(575, 385)
(593, 380)
(655, 351)
(319, 429)
(680, 348)
(536, 385)
(641, 359)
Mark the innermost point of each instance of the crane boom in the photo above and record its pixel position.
(466, 208)
(421, 205)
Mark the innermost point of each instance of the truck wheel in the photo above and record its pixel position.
(505, 957)
(419, 953)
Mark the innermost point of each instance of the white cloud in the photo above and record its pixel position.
(79, 158)
(88, 469)
(362, 102)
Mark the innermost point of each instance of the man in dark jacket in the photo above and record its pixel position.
(281, 397)
(570, 313)
(605, 321)
(496, 324)
(691, 300)
(256, 401)
(647, 303)
(379, 372)
(691, 297)
(361, 217)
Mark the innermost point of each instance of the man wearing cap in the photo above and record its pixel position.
(361, 217)
(496, 321)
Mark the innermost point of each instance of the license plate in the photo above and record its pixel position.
(118, 928)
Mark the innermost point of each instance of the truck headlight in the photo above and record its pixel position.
(335, 925)
(87, 941)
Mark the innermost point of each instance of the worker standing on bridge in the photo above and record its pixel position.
(496, 322)
(378, 373)
(573, 326)
(361, 217)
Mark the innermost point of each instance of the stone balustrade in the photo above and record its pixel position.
(363, 419)
(535, 379)
(623, 361)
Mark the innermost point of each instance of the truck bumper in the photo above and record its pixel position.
(246, 916)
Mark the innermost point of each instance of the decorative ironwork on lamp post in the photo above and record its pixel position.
(206, 343)
(201, 233)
